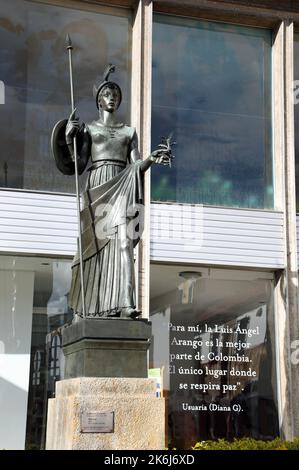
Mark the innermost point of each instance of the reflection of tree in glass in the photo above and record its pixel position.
(163, 189)
(209, 188)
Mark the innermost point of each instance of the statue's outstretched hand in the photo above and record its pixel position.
(72, 127)
(163, 154)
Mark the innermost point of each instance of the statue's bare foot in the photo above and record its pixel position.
(76, 318)
(130, 312)
(114, 313)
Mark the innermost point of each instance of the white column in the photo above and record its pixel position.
(291, 235)
(141, 119)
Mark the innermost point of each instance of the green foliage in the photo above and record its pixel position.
(247, 444)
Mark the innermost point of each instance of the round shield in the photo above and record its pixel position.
(60, 150)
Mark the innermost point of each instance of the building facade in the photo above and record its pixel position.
(217, 267)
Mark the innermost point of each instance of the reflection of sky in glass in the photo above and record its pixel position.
(296, 109)
(212, 87)
(34, 68)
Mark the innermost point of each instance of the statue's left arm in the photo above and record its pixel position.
(135, 155)
(161, 156)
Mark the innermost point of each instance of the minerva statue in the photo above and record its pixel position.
(112, 202)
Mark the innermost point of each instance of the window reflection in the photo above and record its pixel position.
(33, 311)
(212, 87)
(34, 69)
(50, 314)
(217, 353)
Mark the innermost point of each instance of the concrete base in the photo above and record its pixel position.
(139, 417)
(106, 348)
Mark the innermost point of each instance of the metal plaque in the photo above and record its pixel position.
(97, 422)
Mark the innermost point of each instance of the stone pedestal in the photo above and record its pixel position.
(106, 348)
(106, 379)
(139, 416)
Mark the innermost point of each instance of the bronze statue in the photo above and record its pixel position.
(112, 203)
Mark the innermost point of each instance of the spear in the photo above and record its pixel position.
(75, 157)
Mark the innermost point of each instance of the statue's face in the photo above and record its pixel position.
(109, 99)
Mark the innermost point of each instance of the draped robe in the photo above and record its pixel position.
(112, 207)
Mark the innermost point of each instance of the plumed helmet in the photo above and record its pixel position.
(106, 82)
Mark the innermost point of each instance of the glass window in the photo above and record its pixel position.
(212, 88)
(214, 343)
(33, 310)
(50, 313)
(34, 70)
